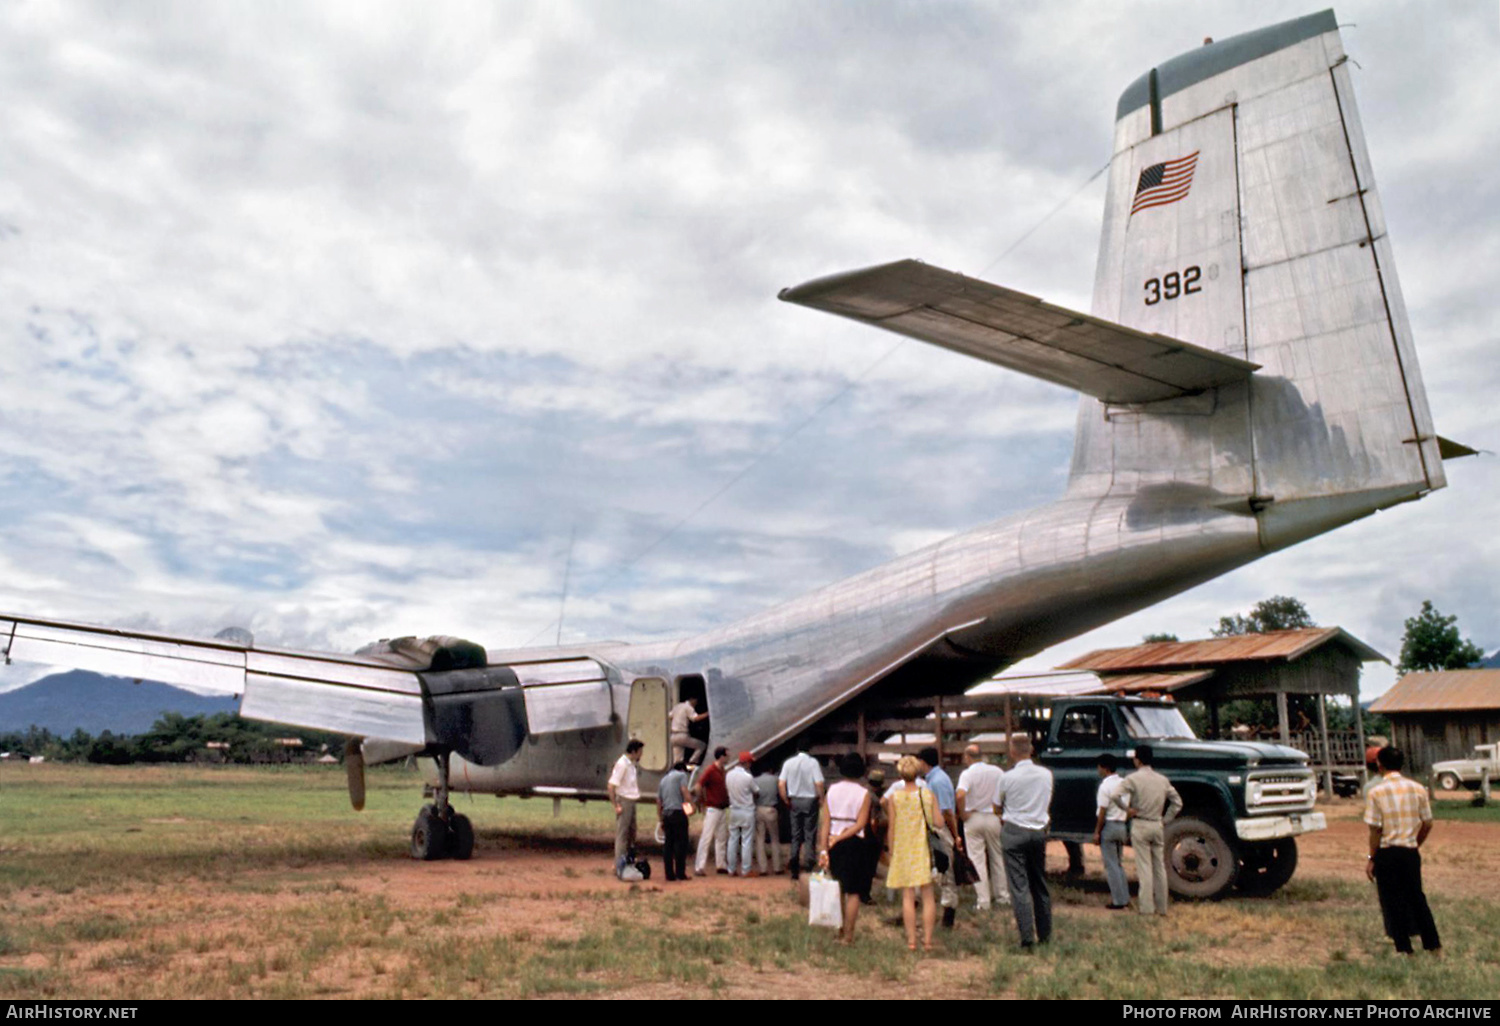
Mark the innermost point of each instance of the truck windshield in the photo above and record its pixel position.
(1143, 721)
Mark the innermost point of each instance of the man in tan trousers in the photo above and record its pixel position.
(1150, 803)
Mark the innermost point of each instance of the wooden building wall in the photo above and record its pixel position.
(1330, 670)
(1431, 737)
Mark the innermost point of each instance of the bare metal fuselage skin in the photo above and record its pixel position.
(1281, 239)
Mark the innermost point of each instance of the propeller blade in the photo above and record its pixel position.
(354, 766)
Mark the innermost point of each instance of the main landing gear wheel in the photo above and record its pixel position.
(1201, 863)
(441, 831)
(1267, 866)
(460, 836)
(429, 836)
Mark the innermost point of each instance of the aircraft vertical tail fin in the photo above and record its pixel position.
(1242, 217)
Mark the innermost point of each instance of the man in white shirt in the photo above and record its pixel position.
(742, 793)
(1025, 793)
(978, 787)
(1112, 831)
(624, 792)
(684, 745)
(801, 786)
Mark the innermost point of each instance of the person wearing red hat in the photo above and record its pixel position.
(742, 792)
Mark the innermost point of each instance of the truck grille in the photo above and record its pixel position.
(1279, 791)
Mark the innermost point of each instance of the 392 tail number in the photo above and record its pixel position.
(1172, 285)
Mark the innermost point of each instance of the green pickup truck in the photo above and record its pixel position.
(1244, 803)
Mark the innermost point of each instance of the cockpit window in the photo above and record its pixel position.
(1146, 721)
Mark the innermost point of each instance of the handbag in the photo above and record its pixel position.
(934, 841)
(965, 872)
(824, 904)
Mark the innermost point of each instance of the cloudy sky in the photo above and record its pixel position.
(342, 321)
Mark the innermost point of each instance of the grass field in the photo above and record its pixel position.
(223, 882)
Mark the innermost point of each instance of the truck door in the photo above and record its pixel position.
(1080, 735)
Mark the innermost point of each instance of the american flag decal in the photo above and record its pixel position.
(1165, 183)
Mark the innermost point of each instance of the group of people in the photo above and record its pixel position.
(922, 824)
(1135, 810)
(996, 818)
(742, 814)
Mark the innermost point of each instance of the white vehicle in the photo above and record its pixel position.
(1456, 773)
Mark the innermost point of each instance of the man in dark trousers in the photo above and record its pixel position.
(1023, 799)
(801, 787)
(672, 802)
(1400, 818)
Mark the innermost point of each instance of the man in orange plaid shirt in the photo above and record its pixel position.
(1400, 818)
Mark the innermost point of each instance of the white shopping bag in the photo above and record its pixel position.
(824, 905)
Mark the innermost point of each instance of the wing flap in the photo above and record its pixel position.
(340, 708)
(1012, 329)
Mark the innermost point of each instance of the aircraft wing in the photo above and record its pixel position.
(1099, 358)
(353, 695)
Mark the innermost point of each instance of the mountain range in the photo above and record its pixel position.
(65, 702)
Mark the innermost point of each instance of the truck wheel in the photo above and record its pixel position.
(1267, 866)
(1201, 863)
(1449, 782)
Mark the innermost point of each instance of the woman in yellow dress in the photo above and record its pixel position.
(909, 808)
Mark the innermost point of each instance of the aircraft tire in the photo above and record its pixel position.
(460, 837)
(1201, 861)
(1268, 866)
(429, 835)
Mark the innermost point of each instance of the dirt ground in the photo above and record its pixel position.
(532, 885)
(1459, 857)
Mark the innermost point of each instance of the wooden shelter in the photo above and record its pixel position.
(1312, 661)
(1442, 714)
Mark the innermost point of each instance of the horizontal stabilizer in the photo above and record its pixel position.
(1099, 358)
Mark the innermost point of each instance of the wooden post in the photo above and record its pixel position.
(937, 717)
(1327, 749)
(1359, 733)
(1213, 717)
(860, 729)
(1005, 755)
(1281, 718)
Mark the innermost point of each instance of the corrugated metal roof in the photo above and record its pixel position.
(1055, 684)
(1284, 645)
(1441, 691)
(1135, 683)
(1062, 684)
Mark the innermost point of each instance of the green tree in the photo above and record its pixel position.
(1152, 639)
(111, 750)
(1277, 613)
(1432, 642)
